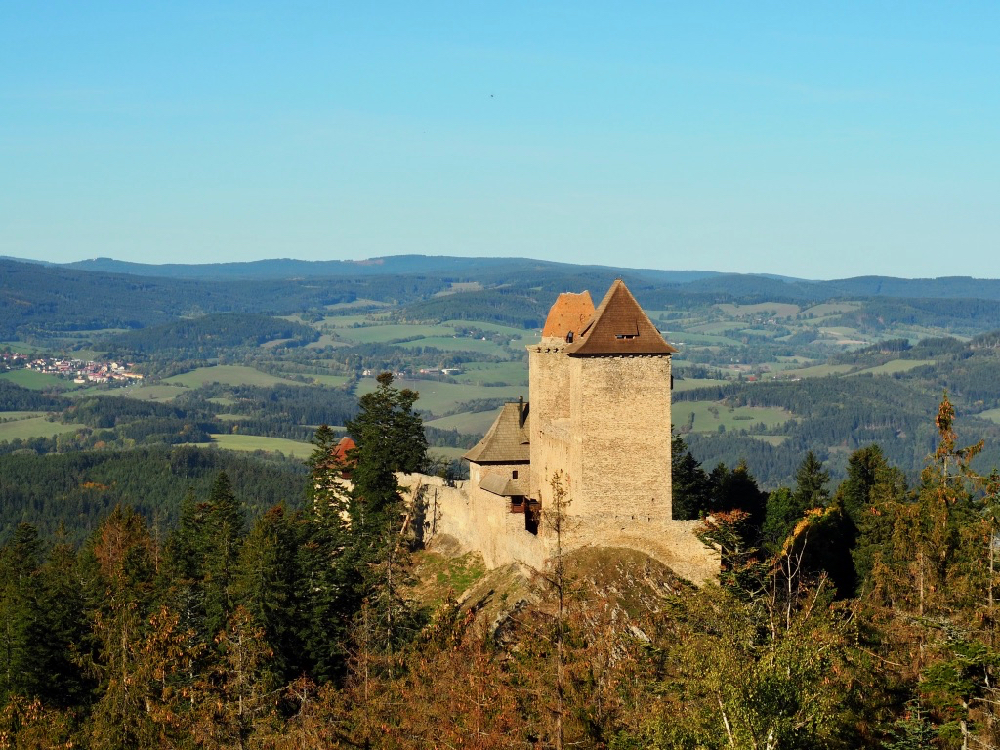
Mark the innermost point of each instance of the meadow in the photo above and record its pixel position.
(33, 427)
(709, 416)
(226, 375)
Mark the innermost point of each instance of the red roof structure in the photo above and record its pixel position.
(340, 451)
(568, 315)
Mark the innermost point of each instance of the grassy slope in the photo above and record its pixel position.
(33, 427)
(228, 375)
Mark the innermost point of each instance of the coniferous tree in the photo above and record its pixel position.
(64, 627)
(21, 633)
(220, 540)
(119, 570)
(327, 585)
(389, 438)
(266, 586)
(785, 507)
(692, 490)
(737, 490)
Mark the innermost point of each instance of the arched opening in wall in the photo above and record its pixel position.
(532, 515)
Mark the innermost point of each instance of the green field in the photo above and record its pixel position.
(769, 309)
(710, 328)
(37, 381)
(440, 397)
(20, 347)
(844, 336)
(683, 338)
(227, 375)
(34, 427)
(510, 373)
(690, 384)
(460, 286)
(817, 371)
(448, 453)
(707, 421)
(993, 415)
(522, 334)
(831, 308)
(158, 392)
(292, 448)
(334, 381)
(894, 366)
(468, 423)
(380, 334)
(324, 341)
(8, 416)
(456, 344)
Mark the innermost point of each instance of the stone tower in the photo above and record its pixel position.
(600, 412)
(599, 420)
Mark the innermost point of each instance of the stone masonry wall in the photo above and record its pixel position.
(549, 388)
(620, 414)
(480, 524)
(480, 521)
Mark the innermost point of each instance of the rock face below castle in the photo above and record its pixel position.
(590, 454)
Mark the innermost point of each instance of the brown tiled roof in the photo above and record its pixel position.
(570, 313)
(499, 484)
(619, 326)
(506, 442)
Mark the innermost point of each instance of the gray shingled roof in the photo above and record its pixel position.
(506, 442)
(500, 484)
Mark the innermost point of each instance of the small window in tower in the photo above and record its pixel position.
(621, 336)
(513, 474)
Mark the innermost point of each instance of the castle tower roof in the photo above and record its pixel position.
(568, 315)
(619, 326)
(507, 440)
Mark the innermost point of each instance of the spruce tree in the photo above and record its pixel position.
(21, 636)
(221, 537)
(266, 584)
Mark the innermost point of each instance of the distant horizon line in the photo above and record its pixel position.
(379, 259)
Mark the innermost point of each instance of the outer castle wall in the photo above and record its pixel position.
(478, 520)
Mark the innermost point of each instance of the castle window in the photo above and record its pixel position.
(513, 474)
(620, 336)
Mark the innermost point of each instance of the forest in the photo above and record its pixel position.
(226, 611)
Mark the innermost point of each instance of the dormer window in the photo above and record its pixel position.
(621, 336)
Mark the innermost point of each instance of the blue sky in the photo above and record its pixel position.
(810, 139)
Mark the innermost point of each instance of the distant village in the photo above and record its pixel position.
(78, 370)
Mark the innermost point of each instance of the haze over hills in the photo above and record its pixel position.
(284, 331)
(495, 269)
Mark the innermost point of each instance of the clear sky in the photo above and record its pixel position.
(820, 140)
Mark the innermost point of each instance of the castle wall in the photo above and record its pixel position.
(480, 521)
(620, 424)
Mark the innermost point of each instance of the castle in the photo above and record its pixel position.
(593, 442)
